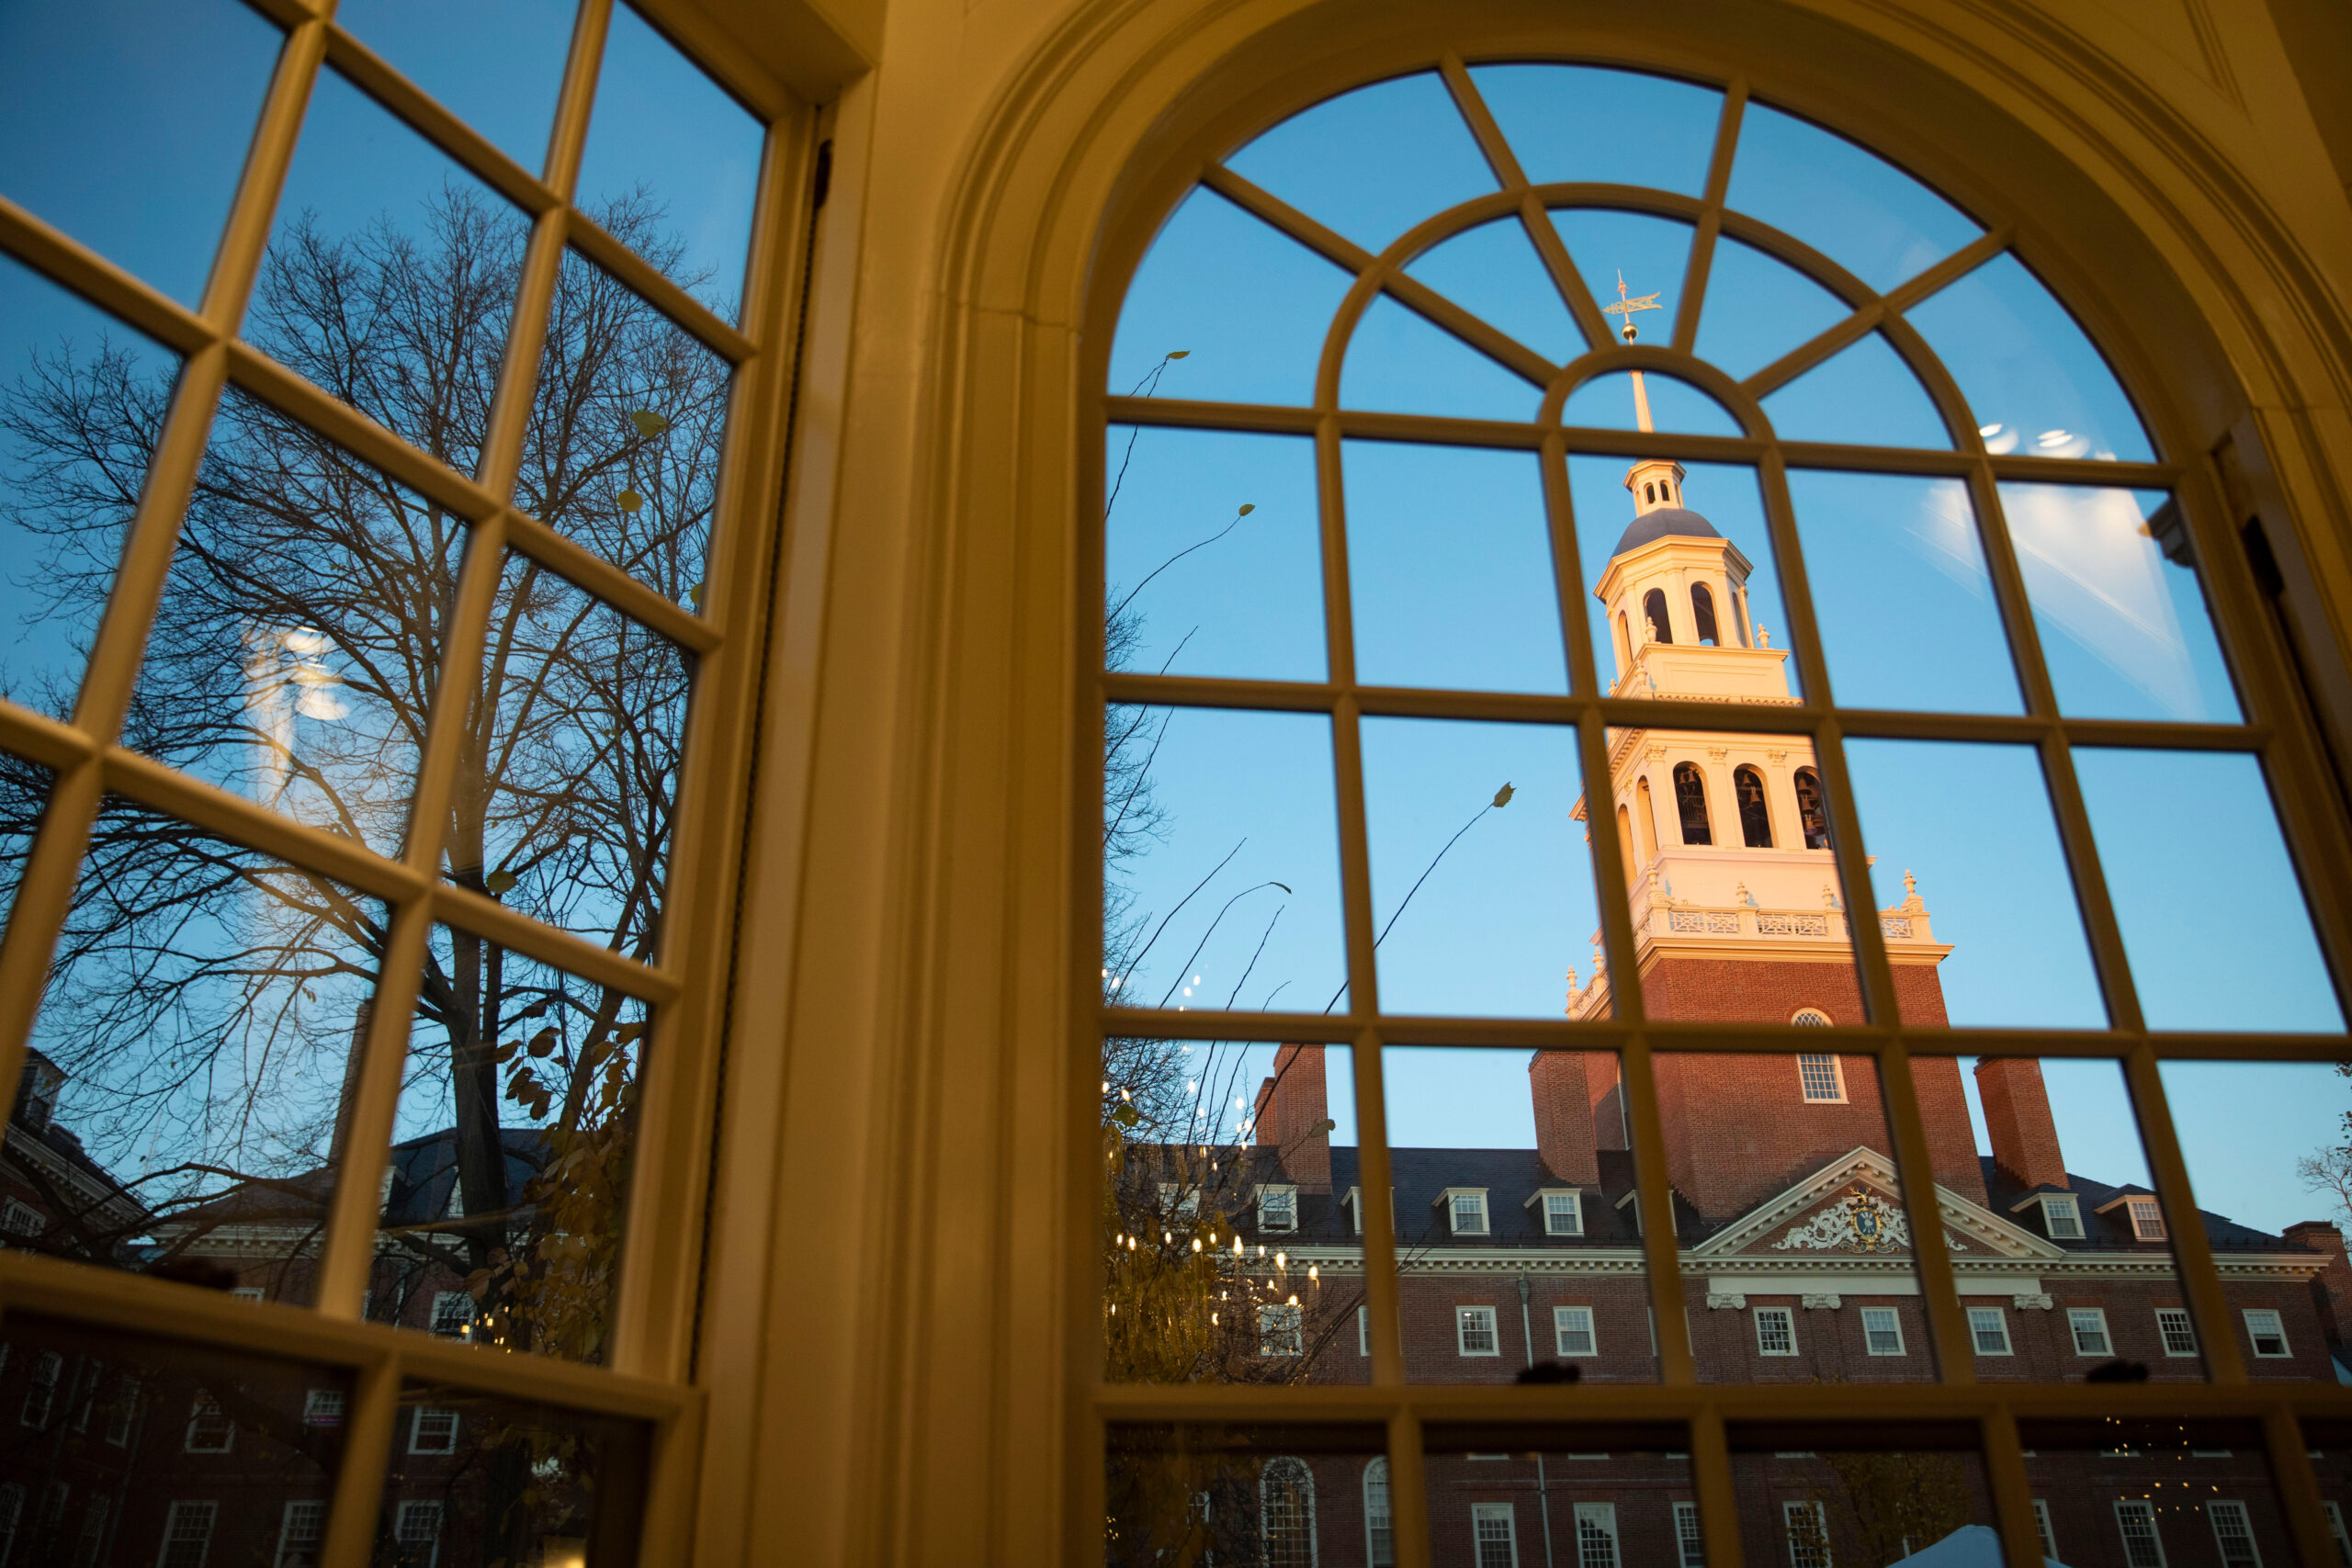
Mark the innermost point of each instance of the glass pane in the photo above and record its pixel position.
(1512, 1169)
(2136, 1493)
(1646, 255)
(1476, 922)
(671, 167)
(476, 1478)
(498, 68)
(1220, 861)
(1644, 545)
(1896, 564)
(1372, 163)
(1987, 932)
(1594, 1496)
(2032, 377)
(1493, 271)
(2331, 1460)
(567, 794)
(1274, 1494)
(2123, 623)
(1589, 123)
(1398, 363)
(121, 1448)
(2200, 908)
(1216, 555)
(1865, 1501)
(629, 422)
(1449, 568)
(508, 1186)
(193, 1058)
(2266, 1144)
(1862, 396)
(293, 658)
(1758, 309)
(1612, 402)
(391, 276)
(1784, 1171)
(1852, 206)
(24, 801)
(2070, 1267)
(126, 125)
(1245, 305)
(1232, 1248)
(82, 397)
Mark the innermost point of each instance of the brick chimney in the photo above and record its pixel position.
(1562, 1083)
(2017, 1114)
(2334, 1286)
(1292, 1108)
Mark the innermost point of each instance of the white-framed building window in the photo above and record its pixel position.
(1563, 1211)
(1572, 1332)
(323, 1407)
(1364, 1331)
(1776, 1331)
(1822, 1078)
(417, 1528)
(1810, 1018)
(1474, 1331)
(1281, 1329)
(1379, 1523)
(1690, 1547)
(2233, 1533)
(433, 1431)
(1465, 1210)
(1286, 1512)
(1881, 1331)
(2173, 1330)
(2041, 1527)
(1596, 1535)
(1989, 1328)
(2335, 1529)
(2088, 1326)
(20, 1218)
(40, 1391)
(1807, 1526)
(210, 1430)
(1180, 1201)
(87, 1551)
(1277, 1207)
(304, 1522)
(2147, 1218)
(1494, 1536)
(453, 1313)
(2136, 1518)
(187, 1534)
(248, 1293)
(2267, 1331)
(2062, 1217)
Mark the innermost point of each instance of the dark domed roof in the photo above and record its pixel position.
(1666, 519)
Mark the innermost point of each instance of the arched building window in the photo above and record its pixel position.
(1811, 815)
(1626, 844)
(1379, 1528)
(1624, 643)
(1754, 816)
(1286, 1512)
(1649, 821)
(1690, 801)
(1702, 614)
(1653, 608)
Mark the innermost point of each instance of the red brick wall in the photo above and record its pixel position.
(1561, 1082)
(2017, 1116)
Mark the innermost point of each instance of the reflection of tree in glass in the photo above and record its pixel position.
(204, 999)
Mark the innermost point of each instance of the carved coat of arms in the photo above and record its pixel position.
(1859, 1222)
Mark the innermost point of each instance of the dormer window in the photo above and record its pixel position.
(1178, 1202)
(1354, 1200)
(2062, 1218)
(1465, 1210)
(1632, 1204)
(1277, 1208)
(2147, 1219)
(1562, 1210)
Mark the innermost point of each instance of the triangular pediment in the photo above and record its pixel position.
(1851, 1207)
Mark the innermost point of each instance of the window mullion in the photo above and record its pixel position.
(1711, 1477)
(2299, 1491)
(2192, 1250)
(1408, 1513)
(350, 1534)
(2012, 1489)
(1711, 219)
(355, 1212)
(1931, 1255)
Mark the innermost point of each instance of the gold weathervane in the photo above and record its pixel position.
(1627, 303)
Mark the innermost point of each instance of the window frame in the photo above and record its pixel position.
(449, 1430)
(1454, 1198)
(2277, 1331)
(1602, 1518)
(2079, 1318)
(1548, 1199)
(2000, 1326)
(1893, 1324)
(2168, 1320)
(1464, 1328)
(1787, 1319)
(1562, 1328)
(1274, 1198)
(2234, 1510)
(1507, 1517)
(1690, 1536)
(1810, 1068)
(1817, 1517)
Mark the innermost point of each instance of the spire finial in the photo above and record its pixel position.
(1627, 303)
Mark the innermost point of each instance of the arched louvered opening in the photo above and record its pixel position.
(1690, 800)
(1654, 610)
(1649, 821)
(1811, 815)
(1754, 816)
(1286, 1512)
(1702, 615)
(1625, 644)
(1625, 842)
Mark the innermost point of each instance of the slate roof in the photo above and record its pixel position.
(1678, 520)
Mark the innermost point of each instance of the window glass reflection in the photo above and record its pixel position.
(1372, 163)
(24, 800)
(496, 67)
(675, 150)
(126, 125)
(476, 1478)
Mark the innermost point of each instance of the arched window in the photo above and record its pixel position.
(1755, 817)
(1649, 492)
(1626, 844)
(1653, 608)
(1286, 1512)
(1649, 821)
(1379, 1529)
(1811, 1017)
(1625, 644)
(1702, 612)
(1690, 800)
(1812, 816)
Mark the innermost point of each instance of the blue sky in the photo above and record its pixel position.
(1451, 583)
